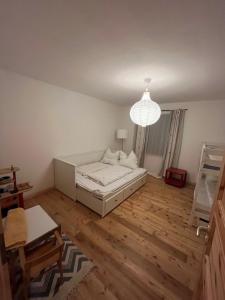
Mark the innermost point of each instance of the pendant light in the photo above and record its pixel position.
(145, 112)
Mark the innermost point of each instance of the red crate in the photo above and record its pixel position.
(176, 177)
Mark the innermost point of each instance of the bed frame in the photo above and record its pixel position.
(201, 213)
(65, 181)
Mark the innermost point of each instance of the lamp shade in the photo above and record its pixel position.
(145, 112)
(121, 133)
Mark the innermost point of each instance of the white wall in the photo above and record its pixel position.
(39, 121)
(127, 124)
(204, 121)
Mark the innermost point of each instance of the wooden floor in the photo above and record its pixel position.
(144, 249)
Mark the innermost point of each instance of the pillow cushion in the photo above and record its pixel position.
(123, 155)
(130, 161)
(111, 157)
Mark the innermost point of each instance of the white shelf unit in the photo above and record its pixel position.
(207, 179)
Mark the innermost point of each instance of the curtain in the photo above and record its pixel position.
(140, 144)
(156, 140)
(175, 140)
(158, 146)
(157, 135)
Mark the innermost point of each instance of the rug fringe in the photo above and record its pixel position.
(74, 289)
(67, 288)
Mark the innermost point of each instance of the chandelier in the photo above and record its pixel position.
(145, 112)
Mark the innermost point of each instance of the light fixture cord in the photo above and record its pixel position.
(147, 82)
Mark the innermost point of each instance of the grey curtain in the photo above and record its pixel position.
(162, 139)
(140, 143)
(157, 135)
(172, 153)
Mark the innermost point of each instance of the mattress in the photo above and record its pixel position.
(216, 157)
(102, 191)
(206, 192)
(210, 184)
(203, 200)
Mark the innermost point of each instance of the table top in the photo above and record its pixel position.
(39, 223)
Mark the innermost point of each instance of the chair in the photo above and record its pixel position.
(43, 256)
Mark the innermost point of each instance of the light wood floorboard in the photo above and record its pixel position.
(144, 249)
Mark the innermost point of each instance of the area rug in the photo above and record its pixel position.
(75, 267)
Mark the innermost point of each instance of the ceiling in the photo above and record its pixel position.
(105, 48)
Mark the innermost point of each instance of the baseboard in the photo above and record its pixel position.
(39, 193)
(188, 183)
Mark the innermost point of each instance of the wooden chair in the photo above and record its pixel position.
(39, 258)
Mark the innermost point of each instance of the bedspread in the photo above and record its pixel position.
(109, 175)
(90, 168)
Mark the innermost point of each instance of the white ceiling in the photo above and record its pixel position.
(105, 48)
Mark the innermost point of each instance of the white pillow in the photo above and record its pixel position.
(111, 157)
(123, 155)
(130, 161)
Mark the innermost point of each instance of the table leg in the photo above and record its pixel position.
(21, 201)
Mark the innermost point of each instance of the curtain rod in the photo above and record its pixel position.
(172, 109)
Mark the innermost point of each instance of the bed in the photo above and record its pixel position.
(212, 156)
(73, 178)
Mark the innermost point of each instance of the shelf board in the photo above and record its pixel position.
(6, 181)
(22, 187)
(8, 170)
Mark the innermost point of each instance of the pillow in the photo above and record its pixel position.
(123, 155)
(111, 157)
(130, 161)
(110, 161)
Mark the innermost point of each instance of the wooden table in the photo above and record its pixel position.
(8, 199)
(40, 225)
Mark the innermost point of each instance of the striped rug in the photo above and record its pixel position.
(75, 267)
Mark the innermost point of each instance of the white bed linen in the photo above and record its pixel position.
(216, 157)
(211, 184)
(92, 167)
(107, 176)
(102, 191)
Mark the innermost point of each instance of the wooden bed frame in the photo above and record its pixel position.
(65, 181)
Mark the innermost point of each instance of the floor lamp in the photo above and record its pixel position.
(121, 134)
